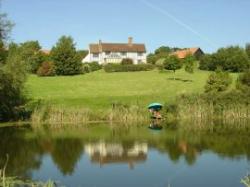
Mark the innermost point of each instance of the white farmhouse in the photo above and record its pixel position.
(114, 52)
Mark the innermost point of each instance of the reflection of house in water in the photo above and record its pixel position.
(110, 153)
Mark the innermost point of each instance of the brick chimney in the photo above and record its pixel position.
(100, 45)
(130, 41)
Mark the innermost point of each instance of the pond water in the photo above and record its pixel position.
(100, 155)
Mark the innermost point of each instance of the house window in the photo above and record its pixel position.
(95, 55)
(140, 62)
(123, 53)
(107, 53)
(140, 54)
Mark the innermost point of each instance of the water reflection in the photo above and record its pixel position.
(110, 153)
(104, 146)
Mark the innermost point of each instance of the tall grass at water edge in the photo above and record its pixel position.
(54, 115)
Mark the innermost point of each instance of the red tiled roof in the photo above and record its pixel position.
(45, 51)
(183, 53)
(117, 47)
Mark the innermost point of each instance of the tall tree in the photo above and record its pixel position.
(12, 78)
(31, 55)
(65, 57)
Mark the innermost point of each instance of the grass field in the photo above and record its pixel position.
(99, 90)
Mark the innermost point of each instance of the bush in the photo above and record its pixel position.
(243, 82)
(127, 68)
(127, 61)
(46, 69)
(218, 81)
(189, 62)
(86, 68)
(94, 66)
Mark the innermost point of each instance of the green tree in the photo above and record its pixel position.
(233, 59)
(172, 63)
(65, 57)
(3, 53)
(151, 58)
(248, 50)
(12, 78)
(31, 55)
(189, 63)
(163, 50)
(218, 82)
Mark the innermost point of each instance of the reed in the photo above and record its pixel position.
(118, 113)
(6, 181)
(246, 181)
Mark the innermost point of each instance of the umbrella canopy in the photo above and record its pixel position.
(155, 106)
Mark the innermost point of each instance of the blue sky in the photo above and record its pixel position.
(209, 24)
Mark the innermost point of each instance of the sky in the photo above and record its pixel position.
(209, 24)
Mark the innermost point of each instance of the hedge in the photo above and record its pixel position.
(127, 68)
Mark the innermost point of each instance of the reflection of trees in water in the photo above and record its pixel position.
(24, 154)
(66, 153)
(190, 145)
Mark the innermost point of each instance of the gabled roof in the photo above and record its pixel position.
(183, 53)
(117, 47)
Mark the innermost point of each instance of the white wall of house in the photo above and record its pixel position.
(115, 57)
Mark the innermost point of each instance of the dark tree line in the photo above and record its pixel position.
(232, 59)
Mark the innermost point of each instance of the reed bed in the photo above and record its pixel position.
(58, 116)
(205, 113)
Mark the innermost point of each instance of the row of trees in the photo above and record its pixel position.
(63, 59)
(232, 59)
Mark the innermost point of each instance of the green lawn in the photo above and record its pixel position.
(100, 89)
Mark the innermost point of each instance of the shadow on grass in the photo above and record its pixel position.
(179, 79)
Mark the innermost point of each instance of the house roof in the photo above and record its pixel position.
(183, 53)
(117, 47)
(45, 51)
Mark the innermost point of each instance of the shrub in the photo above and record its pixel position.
(218, 81)
(94, 66)
(127, 68)
(86, 68)
(46, 69)
(243, 82)
(127, 61)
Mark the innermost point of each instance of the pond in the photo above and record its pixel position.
(106, 156)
